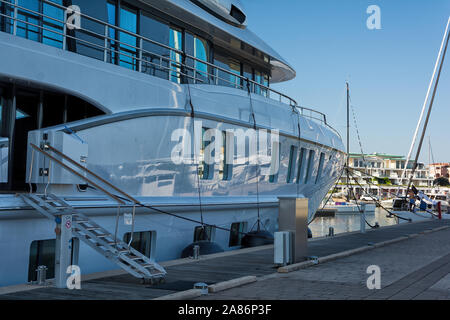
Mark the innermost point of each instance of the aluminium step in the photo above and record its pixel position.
(98, 238)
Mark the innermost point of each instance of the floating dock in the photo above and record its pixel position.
(224, 270)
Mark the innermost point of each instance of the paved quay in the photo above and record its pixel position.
(421, 246)
(417, 268)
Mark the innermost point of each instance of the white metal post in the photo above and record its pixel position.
(63, 252)
(15, 17)
(65, 32)
(363, 217)
(141, 45)
(105, 52)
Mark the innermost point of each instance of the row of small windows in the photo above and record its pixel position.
(305, 161)
(122, 48)
(304, 167)
(207, 233)
(42, 252)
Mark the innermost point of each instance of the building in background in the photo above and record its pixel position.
(438, 170)
(380, 174)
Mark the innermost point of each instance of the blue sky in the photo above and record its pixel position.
(327, 42)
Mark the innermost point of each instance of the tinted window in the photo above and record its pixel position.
(24, 29)
(49, 37)
(206, 164)
(96, 9)
(292, 164)
(142, 241)
(154, 56)
(128, 21)
(310, 166)
(203, 233)
(232, 65)
(237, 233)
(275, 162)
(226, 160)
(301, 165)
(319, 171)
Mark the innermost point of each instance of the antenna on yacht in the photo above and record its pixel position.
(442, 54)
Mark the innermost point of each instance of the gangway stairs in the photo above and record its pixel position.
(98, 238)
(87, 230)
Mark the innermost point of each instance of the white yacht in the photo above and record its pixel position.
(108, 110)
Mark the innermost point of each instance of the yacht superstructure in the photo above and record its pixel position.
(137, 92)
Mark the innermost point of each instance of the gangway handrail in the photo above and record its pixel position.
(92, 173)
(89, 181)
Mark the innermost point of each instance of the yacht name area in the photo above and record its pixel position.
(213, 146)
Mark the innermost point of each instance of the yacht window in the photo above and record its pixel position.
(205, 170)
(198, 48)
(231, 65)
(237, 231)
(42, 253)
(176, 42)
(91, 45)
(28, 29)
(112, 32)
(310, 165)
(319, 171)
(153, 54)
(235, 67)
(50, 34)
(301, 165)
(20, 114)
(128, 22)
(247, 73)
(265, 82)
(142, 241)
(275, 162)
(292, 164)
(226, 160)
(204, 233)
(263, 79)
(6, 23)
(258, 79)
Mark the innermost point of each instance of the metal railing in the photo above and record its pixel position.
(174, 64)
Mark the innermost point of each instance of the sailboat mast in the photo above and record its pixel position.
(348, 142)
(348, 127)
(429, 109)
(423, 107)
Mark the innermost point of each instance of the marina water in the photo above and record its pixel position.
(348, 223)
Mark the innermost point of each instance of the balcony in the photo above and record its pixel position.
(173, 65)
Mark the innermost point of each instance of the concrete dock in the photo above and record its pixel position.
(414, 259)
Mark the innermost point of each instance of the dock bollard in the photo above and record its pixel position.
(41, 275)
(331, 232)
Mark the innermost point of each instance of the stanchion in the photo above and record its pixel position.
(439, 210)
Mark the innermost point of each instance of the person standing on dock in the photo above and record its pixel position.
(412, 200)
